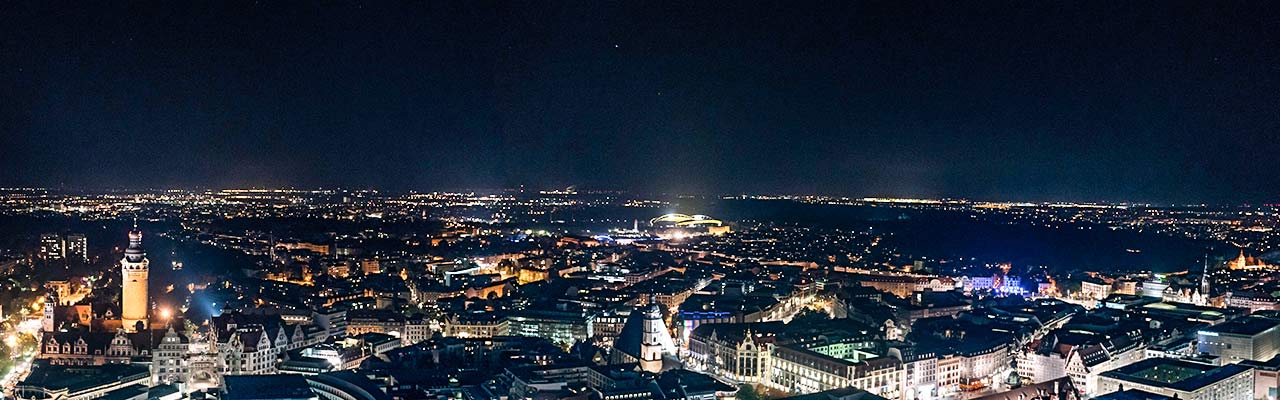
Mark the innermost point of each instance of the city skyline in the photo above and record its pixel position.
(1164, 103)
(602, 200)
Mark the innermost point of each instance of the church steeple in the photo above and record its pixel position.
(1204, 277)
(656, 340)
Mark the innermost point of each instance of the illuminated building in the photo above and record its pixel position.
(1253, 301)
(47, 324)
(562, 327)
(1181, 379)
(645, 339)
(1247, 263)
(1094, 289)
(905, 286)
(375, 321)
(370, 266)
(47, 381)
(678, 226)
(51, 247)
(998, 283)
(802, 371)
(134, 304)
(476, 325)
(733, 351)
(87, 348)
(1082, 351)
(1246, 338)
(193, 361)
(1154, 288)
(77, 248)
(339, 269)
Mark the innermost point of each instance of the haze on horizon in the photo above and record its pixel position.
(1148, 102)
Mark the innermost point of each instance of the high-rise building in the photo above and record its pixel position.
(133, 307)
(51, 247)
(77, 248)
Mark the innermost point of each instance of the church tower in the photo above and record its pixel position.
(656, 340)
(133, 297)
(644, 339)
(48, 323)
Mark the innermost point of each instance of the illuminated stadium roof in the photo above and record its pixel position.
(683, 220)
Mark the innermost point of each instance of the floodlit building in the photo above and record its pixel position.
(1095, 289)
(133, 298)
(645, 339)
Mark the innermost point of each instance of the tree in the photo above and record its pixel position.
(749, 392)
(810, 316)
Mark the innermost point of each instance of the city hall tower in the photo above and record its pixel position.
(133, 296)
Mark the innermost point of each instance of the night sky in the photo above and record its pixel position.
(1161, 101)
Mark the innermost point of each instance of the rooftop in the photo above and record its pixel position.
(1174, 374)
(268, 387)
(1250, 326)
(79, 378)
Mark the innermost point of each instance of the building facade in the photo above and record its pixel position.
(133, 298)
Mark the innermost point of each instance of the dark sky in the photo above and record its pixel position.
(1162, 101)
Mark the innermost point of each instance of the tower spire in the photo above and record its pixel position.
(1204, 277)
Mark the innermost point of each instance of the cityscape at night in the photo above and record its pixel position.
(439, 200)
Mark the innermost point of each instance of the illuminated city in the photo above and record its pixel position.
(435, 200)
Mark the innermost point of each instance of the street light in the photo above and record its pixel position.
(165, 314)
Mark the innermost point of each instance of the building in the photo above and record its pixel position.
(1094, 289)
(55, 382)
(191, 359)
(1246, 338)
(837, 394)
(1253, 301)
(645, 339)
(370, 266)
(559, 326)
(1181, 379)
(48, 323)
(416, 329)
(999, 284)
(268, 387)
(90, 348)
(905, 285)
(345, 385)
(133, 298)
(252, 344)
(802, 371)
(1081, 356)
(733, 351)
(679, 226)
(51, 247)
(338, 385)
(1057, 389)
(1266, 378)
(476, 325)
(1154, 288)
(374, 321)
(77, 248)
